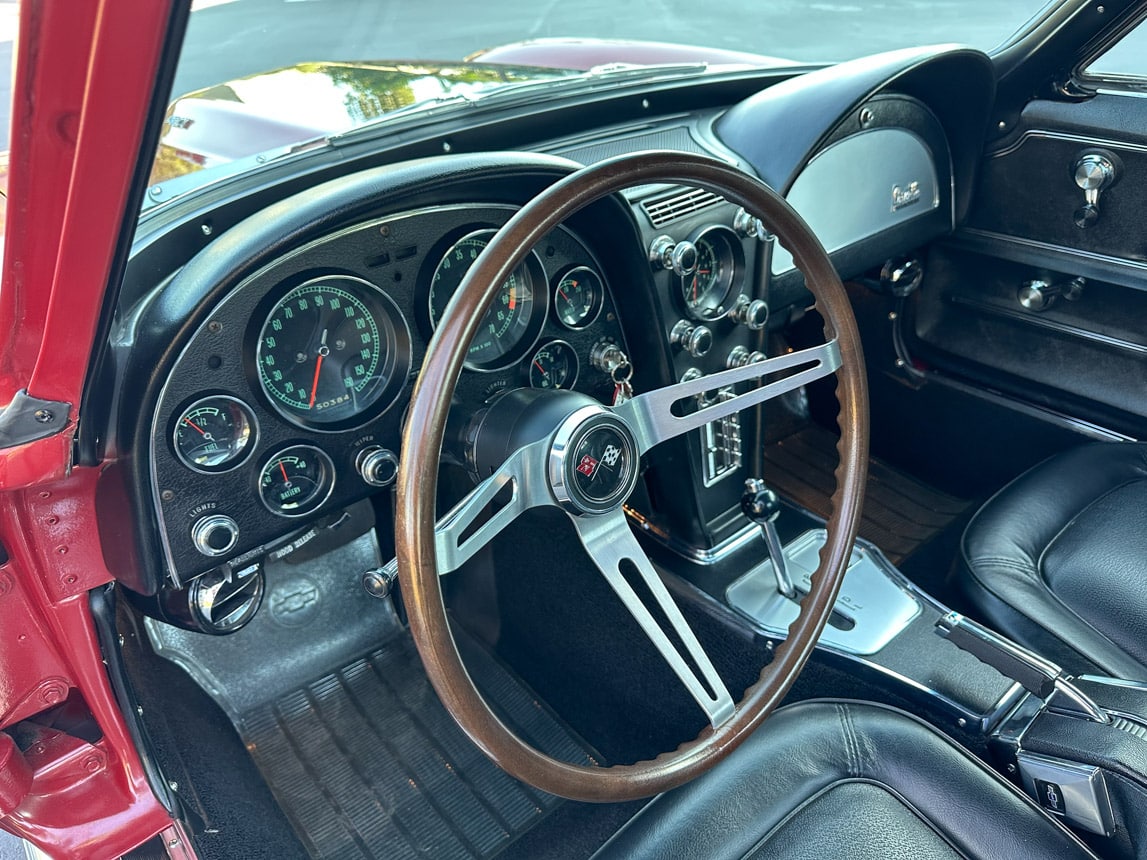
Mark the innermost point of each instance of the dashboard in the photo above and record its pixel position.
(289, 399)
(262, 383)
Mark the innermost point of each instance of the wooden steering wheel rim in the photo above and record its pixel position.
(422, 444)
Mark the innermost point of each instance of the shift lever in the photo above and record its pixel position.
(762, 506)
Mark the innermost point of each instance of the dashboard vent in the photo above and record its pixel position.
(665, 210)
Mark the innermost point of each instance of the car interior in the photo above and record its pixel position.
(731, 464)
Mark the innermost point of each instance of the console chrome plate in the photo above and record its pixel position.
(871, 597)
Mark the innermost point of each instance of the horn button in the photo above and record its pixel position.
(593, 462)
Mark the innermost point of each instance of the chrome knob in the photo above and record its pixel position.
(901, 276)
(215, 535)
(1094, 172)
(740, 356)
(752, 314)
(749, 225)
(696, 340)
(1039, 295)
(679, 257)
(380, 582)
(377, 466)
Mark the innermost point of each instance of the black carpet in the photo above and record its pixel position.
(332, 703)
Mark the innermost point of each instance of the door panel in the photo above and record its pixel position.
(1087, 357)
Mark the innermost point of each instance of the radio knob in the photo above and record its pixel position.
(215, 535)
(377, 466)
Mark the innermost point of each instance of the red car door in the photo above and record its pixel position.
(71, 779)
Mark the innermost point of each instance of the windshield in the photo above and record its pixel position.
(262, 79)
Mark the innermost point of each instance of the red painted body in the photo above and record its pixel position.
(83, 80)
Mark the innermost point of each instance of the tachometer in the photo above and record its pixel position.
(515, 318)
(329, 350)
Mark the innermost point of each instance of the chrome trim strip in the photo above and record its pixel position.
(1082, 139)
(1037, 321)
(1026, 251)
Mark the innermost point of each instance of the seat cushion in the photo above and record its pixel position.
(1058, 559)
(822, 780)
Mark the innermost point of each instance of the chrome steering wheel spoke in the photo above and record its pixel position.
(608, 540)
(650, 416)
(459, 534)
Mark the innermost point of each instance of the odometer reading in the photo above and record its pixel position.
(328, 350)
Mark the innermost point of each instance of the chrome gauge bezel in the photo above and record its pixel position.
(393, 332)
(731, 279)
(598, 299)
(556, 343)
(241, 456)
(531, 267)
(314, 502)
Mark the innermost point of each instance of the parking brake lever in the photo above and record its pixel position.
(762, 506)
(1035, 674)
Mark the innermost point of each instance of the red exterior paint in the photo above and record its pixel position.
(82, 86)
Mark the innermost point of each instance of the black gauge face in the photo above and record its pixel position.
(516, 315)
(329, 350)
(554, 365)
(578, 297)
(214, 434)
(708, 291)
(296, 481)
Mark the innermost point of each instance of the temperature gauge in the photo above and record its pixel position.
(578, 297)
(554, 365)
(296, 481)
(214, 434)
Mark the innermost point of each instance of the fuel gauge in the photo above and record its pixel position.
(554, 365)
(213, 434)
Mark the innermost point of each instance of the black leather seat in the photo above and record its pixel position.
(1057, 560)
(823, 780)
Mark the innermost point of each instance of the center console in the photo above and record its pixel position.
(1077, 746)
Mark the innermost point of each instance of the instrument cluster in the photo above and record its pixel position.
(288, 403)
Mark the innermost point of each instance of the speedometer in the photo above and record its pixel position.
(514, 319)
(329, 350)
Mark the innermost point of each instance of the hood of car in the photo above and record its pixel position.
(290, 107)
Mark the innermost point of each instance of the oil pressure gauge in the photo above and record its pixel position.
(554, 365)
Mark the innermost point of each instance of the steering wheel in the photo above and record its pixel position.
(581, 456)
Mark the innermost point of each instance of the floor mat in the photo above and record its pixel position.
(363, 759)
(900, 513)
